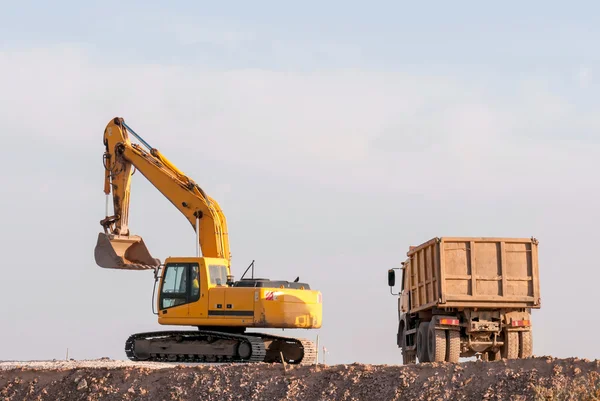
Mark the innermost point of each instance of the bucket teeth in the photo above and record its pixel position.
(123, 252)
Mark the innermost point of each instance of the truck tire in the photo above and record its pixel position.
(422, 352)
(510, 349)
(453, 347)
(525, 344)
(436, 343)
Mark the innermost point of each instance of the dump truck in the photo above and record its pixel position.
(465, 297)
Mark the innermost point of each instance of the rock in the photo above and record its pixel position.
(82, 385)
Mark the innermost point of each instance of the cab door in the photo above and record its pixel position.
(180, 288)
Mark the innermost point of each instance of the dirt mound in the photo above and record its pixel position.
(531, 379)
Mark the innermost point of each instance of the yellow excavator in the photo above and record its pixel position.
(198, 290)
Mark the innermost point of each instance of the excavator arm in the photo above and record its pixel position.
(117, 248)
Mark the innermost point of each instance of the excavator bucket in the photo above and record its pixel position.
(123, 252)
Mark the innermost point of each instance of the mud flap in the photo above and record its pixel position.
(123, 252)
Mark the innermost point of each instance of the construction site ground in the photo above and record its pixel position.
(539, 378)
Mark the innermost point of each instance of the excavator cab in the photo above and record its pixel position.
(125, 252)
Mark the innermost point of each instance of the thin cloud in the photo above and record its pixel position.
(312, 125)
(584, 77)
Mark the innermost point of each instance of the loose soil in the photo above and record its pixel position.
(540, 378)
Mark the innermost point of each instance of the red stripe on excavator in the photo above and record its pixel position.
(452, 322)
(520, 323)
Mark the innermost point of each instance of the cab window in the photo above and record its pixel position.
(181, 285)
(218, 274)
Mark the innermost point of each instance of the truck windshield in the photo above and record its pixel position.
(218, 274)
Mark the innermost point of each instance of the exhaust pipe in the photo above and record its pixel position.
(125, 252)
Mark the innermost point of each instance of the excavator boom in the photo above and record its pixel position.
(116, 248)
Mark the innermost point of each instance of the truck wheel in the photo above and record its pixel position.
(510, 349)
(436, 344)
(525, 344)
(422, 353)
(453, 347)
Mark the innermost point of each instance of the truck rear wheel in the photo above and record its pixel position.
(453, 346)
(422, 352)
(525, 344)
(436, 344)
(510, 349)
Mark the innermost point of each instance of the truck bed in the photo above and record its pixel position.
(474, 272)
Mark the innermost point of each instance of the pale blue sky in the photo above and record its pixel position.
(512, 37)
(334, 136)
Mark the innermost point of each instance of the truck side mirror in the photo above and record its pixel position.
(391, 278)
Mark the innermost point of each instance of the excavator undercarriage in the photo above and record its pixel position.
(218, 347)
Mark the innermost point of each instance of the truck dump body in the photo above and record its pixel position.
(469, 272)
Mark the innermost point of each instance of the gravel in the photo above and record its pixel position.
(540, 378)
(80, 364)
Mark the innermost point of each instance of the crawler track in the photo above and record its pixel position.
(206, 346)
(295, 350)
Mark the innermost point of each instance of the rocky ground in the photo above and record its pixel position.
(541, 378)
